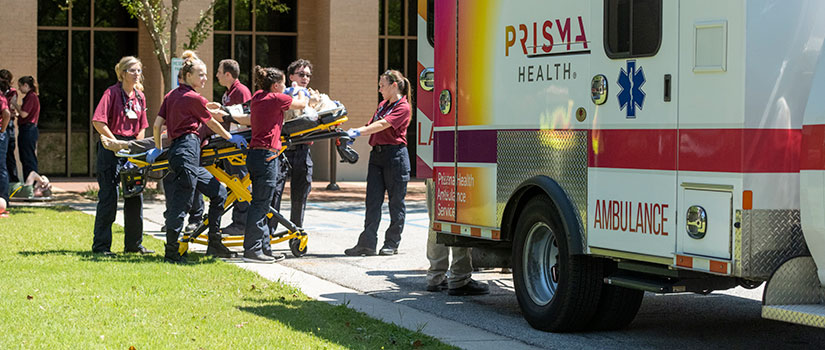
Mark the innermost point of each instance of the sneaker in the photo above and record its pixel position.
(220, 251)
(142, 250)
(472, 288)
(359, 251)
(388, 251)
(437, 287)
(257, 258)
(163, 228)
(233, 230)
(192, 227)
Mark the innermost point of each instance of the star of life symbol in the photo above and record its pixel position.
(631, 82)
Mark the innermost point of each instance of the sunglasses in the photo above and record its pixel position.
(304, 75)
(134, 71)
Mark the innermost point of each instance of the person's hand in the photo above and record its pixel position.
(295, 90)
(239, 141)
(353, 133)
(153, 154)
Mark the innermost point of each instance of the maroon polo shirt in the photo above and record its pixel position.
(31, 105)
(11, 95)
(3, 103)
(267, 117)
(111, 111)
(236, 94)
(184, 110)
(398, 114)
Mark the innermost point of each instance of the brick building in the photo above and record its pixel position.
(72, 54)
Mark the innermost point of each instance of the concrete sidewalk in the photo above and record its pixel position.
(382, 287)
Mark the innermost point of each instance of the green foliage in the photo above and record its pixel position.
(55, 293)
(202, 28)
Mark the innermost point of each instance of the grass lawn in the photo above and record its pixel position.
(55, 294)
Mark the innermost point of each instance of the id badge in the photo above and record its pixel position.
(131, 114)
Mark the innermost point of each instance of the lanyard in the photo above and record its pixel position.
(127, 102)
(378, 115)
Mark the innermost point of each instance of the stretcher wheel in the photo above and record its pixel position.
(295, 247)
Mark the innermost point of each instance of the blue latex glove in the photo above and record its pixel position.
(294, 91)
(353, 133)
(153, 155)
(239, 141)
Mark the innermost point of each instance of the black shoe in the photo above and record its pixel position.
(192, 227)
(257, 258)
(219, 250)
(163, 228)
(437, 287)
(276, 256)
(388, 251)
(142, 250)
(472, 288)
(233, 230)
(359, 251)
(177, 260)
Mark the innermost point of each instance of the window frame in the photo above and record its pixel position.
(629, 54)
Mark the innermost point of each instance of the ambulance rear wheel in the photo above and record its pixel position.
(295, 247)
(556, 291)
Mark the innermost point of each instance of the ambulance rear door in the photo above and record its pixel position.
(632, 177)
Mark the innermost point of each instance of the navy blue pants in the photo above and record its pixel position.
(108, 180)
(186, 175)
(299, 171)
(264, 175)
(241, 209)
(388, 171)
(196, 212)
(11, 161)
(4, 175)
(27, 144)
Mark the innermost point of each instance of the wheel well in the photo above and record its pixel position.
(562, 208)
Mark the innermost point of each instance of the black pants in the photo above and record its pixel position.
(11, 161)
(389, 171)
(27, 145)
(299, 170)
(264, 175)
(185, 175)
(108, 179)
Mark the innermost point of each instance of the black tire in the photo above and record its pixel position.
(294, 246)
(617, 308)
(571, 305)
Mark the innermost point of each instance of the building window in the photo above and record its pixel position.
(253, 34)
(632, 28)
(72, 76)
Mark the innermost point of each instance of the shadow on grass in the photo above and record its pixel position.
(194, 259)
(338, 324)
(15, 210)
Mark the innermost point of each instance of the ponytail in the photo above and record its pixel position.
(28, 80)
(265, 77)
(190, 60)
(394, 76)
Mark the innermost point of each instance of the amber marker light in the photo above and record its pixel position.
(747, 200)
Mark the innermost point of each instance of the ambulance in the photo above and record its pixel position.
(606, 148)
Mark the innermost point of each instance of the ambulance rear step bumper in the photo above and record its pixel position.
(656, 284)
(794, 294)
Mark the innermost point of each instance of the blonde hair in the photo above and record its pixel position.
(190, 60)
(124, 64)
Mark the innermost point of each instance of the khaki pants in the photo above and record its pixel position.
(461, 267)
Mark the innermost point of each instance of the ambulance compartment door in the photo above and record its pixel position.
(632, 179)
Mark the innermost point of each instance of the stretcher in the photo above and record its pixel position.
(301, 130)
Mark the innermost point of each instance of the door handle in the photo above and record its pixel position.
(667, 87)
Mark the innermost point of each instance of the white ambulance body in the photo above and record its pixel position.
(609, 147)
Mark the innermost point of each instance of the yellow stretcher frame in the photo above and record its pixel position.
(238, 189)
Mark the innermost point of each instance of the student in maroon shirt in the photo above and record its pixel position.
(266, 117)
(27, 116)
(184, 111)
(236, 93)
(11, 99)
(121, 115)
(389, 165)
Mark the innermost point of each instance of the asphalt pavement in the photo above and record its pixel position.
(391, 288)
